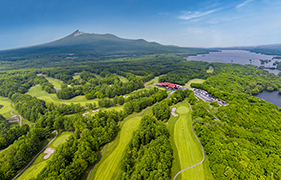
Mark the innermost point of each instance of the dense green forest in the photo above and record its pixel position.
(243, 142)
(149, 154)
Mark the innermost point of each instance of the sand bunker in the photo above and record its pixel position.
(173, 112)
(48, 152)
(84, 114)
(95, 110)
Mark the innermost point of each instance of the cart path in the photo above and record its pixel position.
(96, 163)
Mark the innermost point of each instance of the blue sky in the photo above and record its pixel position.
(187, 23)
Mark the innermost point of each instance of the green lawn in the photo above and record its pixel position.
(187, 150)
(98, 76)
(57, 83)
(25, 121)
(210, 70)
(108, 167)
(37, 91)
(193, 81)
(76, 77)
(78, 99)
(123, 79)
(153, 81)
(7, 107)
(39, 163)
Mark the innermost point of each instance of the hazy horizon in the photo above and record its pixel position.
(185, 23)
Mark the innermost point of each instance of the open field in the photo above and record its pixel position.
(57, 83)
(38, 165)
(7, 107)
(193, 81)
(210, 70)
(108, 167)
(187, 150)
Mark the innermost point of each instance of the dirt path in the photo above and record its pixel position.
(200, 145)
(37, 155)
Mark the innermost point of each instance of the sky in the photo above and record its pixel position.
(186, 23)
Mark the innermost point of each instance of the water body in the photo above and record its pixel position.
(237, 57)
(243, 57)
(273, 97)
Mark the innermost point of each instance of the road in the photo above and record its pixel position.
(200, 145)
(96, 163)
(37, 155)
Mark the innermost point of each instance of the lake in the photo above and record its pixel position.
(237, 57)
(243, 57)
(273, 97)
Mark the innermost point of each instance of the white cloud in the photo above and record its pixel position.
(243, 4)
(196, 14)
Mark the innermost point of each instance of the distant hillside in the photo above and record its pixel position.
(80, 46)
(272, 49)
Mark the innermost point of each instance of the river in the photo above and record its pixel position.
(238, 57)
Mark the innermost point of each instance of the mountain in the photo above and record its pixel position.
(80, 44)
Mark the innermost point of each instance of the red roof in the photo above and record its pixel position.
(168, 84)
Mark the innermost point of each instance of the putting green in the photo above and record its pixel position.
(182, 110)
(188, 148)
(62, 139)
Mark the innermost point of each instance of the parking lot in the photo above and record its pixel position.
(205, 96)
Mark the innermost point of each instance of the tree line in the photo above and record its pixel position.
(21, 152)
(149, 154)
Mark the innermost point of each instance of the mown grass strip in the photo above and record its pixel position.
(108, 168)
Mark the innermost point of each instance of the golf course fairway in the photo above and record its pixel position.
(38, 165)
(109, 167)
(188, 148)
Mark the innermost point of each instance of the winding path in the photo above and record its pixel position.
(200, 145)
(37, 155)
(15, 116)
(96, 163)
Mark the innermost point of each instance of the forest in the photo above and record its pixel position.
(243, 142)
(149, 154)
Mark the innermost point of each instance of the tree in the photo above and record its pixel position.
(161, 111)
